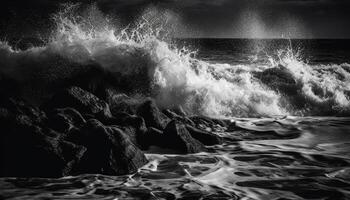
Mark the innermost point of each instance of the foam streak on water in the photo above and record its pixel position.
(313, 166)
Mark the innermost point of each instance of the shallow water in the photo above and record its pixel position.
(253, 163)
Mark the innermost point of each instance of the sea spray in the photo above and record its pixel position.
(174, 75)
(323, 89)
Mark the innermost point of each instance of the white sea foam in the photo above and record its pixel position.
(178, 77)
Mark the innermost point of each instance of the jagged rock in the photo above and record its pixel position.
(84, 101)
(128, 157)
(109, 150)
(133, 125)
(279, 78)
(204, 137)
(177, 137)
(64, 119)
(202, 122)
(169, 113)
(147, 109)
(120, 102)
(29, 147)
(175, 112)
(153, 136)
(180, 111)
(125, 119)
(153, 117)
(172, 115)
(29, 150)
(72, 154)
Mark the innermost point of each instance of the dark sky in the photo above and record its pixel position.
(214, 18)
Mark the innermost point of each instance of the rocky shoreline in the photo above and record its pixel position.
(86, 121)
(75, 132)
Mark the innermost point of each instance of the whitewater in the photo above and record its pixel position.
(267, 95)
(178, 78)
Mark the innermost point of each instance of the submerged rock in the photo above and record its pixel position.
(209, 124)
(175, 139)
(205, 137)
(203, 124)
(279, 78)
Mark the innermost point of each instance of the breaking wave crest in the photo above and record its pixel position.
(284, 86)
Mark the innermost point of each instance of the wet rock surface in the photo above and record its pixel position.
(152, 115)
(109, 150)
(75, 132)
(205, 137)
(82, 100)
(29, 147)
(177, 136)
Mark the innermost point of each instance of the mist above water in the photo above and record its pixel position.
(252, 24)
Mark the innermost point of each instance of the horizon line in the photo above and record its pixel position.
(248, 38)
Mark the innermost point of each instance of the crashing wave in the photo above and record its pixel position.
(174, 77)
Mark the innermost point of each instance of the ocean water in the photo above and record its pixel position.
(314, 165)
(289, 100)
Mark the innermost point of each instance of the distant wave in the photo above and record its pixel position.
(285, 86)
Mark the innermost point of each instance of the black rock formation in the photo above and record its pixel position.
(92, 130)
(82, 100)
(177, 137)
(109, 150)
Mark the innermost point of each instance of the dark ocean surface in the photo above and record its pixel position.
(238, 51)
